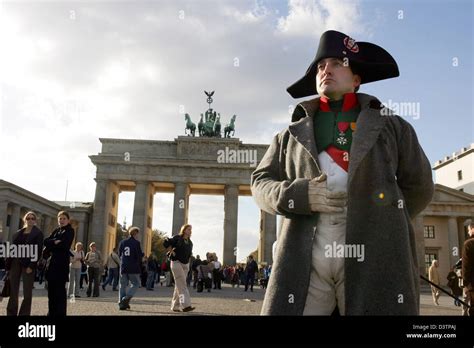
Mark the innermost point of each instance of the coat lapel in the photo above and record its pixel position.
(303, 130)
(368, 126)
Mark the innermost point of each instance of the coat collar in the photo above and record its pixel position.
(368, 126)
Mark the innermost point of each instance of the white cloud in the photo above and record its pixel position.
(313, 17)
(257, 14)
(122, 70)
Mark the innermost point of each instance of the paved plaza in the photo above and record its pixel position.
(228, 301)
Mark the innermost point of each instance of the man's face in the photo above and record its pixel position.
(334, 78)
(471, 231)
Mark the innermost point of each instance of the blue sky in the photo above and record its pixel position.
(72, 72)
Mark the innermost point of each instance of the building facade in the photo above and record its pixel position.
(15, 202)
(457, 171)
(194, 166)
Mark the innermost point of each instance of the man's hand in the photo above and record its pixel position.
(28, 270)
(322, 200)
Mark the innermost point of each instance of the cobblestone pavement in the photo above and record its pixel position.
(228, 301)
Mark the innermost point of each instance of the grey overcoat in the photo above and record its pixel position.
(386, 158)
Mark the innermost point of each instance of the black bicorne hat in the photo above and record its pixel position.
(369, 61)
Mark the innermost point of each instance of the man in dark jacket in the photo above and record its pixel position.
(348, 177)
(194, 266)
(468, 271)
(250, 271)
(131, 255)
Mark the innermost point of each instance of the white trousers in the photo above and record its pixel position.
(181, 297)
(326, 285)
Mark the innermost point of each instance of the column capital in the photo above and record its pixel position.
(180, 184)
(101, 181)
(232, 189)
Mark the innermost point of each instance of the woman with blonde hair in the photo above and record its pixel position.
(94, 264)
(179, 249)
(24, 266)
(75, 268)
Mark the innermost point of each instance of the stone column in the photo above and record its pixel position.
(80, 233)
(180, 206)
(453, 240)
(143, 213)
(231, 209)
(14, 220)
(47, 228)
(418, 227)
(99, 216)
(3, 221)
(267, 237)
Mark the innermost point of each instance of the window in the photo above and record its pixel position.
(459, 175)
(429, 232)
(429, 257)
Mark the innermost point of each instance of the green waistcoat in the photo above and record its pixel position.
(326, 130)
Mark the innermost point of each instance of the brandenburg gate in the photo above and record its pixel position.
(188, 165)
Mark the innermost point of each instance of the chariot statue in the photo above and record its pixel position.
(210, 123)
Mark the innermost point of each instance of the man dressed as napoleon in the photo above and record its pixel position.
(348, 176)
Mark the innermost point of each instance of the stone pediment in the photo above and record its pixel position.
(444, 194)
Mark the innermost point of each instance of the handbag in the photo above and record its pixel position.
(83, 266)
(5, 292)
(200, 285)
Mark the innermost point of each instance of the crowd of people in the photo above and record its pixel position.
(126, 269)
(66, 271)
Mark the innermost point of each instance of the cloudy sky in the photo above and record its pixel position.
(72, 72)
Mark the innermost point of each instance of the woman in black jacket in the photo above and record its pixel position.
(57, 247)
(179, 249)
(24, 266)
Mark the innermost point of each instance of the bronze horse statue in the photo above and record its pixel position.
(190, 125)
(230, 127)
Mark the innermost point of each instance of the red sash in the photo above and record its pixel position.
(341, 157)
